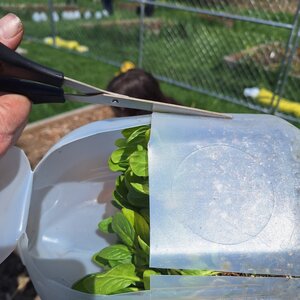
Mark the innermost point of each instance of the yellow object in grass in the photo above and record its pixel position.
(72, 45)
(82, 49)
(67, 44)
(265, 97)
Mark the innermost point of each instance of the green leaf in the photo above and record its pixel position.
(142, 187)
(146, 214)
(135, 133)
(121, 155)
(119, 159)
(115, 252)
(137, 136)
(106, 283)
(139, 143)
(123, 229)
(120, 142)
(115, 167)
(198, 272)
(119, 200)
(121, 185)
(141, 228)
(120, 193)
(114, 263)
(79, 285)
(139, 184)
(128, 131)
(137, 199)
(144, 246)
(146, 277)
(140, 225)
(129, 215)
(116, 156)
(101, 262)
(147, 135)
(140, 259)
(105, 225)
(140, 148)
(173, 272)
(138, 162)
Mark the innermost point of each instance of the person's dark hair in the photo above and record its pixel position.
(138, 84)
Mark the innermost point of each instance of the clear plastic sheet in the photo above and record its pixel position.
(196, 287)
(225, 194)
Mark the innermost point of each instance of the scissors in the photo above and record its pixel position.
(41, 84)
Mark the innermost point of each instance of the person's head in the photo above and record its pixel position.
(138, 84)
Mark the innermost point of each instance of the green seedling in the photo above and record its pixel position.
(125, 265)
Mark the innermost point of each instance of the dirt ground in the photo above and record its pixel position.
(36, 140)
(38, 137)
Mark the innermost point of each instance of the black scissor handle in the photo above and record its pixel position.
(14, 65)
(35, 91)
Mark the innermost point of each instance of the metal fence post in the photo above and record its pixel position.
(52, 22)
(141, 33)
(285, 67)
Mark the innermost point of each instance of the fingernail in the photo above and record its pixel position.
(10, 26)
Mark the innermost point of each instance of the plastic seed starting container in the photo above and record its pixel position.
(224, 195)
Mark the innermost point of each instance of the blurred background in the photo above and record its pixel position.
(204, 52)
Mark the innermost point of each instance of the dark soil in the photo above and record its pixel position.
(39, 137)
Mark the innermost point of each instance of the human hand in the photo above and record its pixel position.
(14, 109)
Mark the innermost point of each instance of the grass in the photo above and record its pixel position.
(186, 47)
(81, 68)
(99, 74)
(188, 51)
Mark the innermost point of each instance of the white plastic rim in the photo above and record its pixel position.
(15, 191)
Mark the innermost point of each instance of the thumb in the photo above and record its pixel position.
(11, 31)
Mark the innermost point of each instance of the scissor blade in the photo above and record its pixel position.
(118, 100)
(80, 86)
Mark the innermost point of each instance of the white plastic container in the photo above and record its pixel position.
(52, 212)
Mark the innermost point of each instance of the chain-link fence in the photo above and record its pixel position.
(216, 47)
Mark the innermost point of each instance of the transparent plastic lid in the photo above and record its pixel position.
(225, 194)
